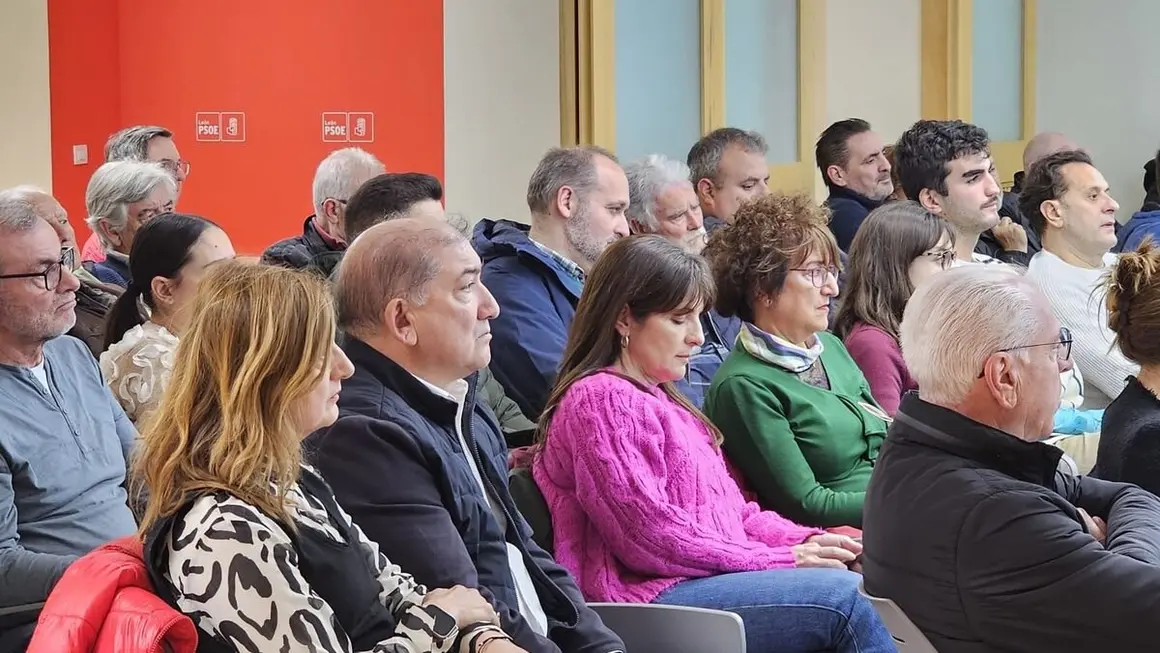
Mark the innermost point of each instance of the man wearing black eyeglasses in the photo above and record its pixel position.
(968, 524)
(64, 440)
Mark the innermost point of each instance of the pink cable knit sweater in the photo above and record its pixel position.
(641, 499)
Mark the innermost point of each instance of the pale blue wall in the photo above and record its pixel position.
(658, 77)
(761, 72)
(997, 68)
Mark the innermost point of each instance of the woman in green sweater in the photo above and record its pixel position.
(797, 414)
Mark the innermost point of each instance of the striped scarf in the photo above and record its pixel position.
(776, 351)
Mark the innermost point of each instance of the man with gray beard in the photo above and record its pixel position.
(64, 440)
(577, 197)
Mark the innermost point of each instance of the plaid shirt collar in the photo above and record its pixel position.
(569, 267)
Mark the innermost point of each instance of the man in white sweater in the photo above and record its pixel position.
(1066, 199)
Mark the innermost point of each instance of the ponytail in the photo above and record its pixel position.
(123, 315)
(160, 248)
(1133, 303)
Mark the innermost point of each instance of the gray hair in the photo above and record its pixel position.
(647, 179)
(574, 167)
(960, 317)
(397, 259)
(18, 208)
(341, 173)
(132, 143)
(704, 158)
(117, 184)
(17, 211)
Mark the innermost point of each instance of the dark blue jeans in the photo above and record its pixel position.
(791, 609)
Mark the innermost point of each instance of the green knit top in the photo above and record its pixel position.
(806, 451)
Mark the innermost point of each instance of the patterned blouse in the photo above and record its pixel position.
(221, 531)
(138, 367)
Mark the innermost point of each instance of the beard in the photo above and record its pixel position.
(38, 328)
(694, 241)
(577, 233)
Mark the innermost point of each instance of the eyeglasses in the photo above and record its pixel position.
(819, 275)
(1062, 351)
(944, 257)
(53, 273)
(178, 168)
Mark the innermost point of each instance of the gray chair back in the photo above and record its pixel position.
(907, 637)
(648, 628)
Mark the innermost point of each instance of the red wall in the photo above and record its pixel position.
(115, 63)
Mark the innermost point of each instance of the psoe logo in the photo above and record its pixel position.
(334, 127)
(208, 125)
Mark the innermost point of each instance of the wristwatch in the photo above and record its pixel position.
(444, 630)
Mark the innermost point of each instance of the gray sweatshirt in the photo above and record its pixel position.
(62, 469)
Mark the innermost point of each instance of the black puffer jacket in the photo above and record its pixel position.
(974, 534)
(310, 251)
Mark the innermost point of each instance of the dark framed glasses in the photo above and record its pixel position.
(1062, 351)
(53, 273)
(945, 258)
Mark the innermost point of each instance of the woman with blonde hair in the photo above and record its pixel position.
(242, 537)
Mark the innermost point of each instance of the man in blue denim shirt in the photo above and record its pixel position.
(64, 440)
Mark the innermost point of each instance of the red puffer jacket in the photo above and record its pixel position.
(104, 603)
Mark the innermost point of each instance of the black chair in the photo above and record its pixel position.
(532, 506)
(16, 625)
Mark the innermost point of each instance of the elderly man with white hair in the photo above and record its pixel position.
(324, 239)
(121, 197)
(968, 525)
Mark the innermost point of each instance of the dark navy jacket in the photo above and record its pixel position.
(1143, 224)
(310, 251)
(848, 210)
(537, 300)
(396, 466)
(112, 271)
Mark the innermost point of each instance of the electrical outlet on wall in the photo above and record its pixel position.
(80, 155)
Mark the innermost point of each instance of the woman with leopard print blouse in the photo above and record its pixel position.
(239, 534)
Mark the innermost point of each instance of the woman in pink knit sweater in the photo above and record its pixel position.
(643, 508)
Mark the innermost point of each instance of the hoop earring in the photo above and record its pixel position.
(624, 341)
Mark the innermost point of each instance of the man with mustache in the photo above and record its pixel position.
(946, 166)
(852, 159)
(662, 201)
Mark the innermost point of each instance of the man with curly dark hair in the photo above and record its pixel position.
(946, 166)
